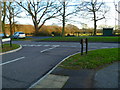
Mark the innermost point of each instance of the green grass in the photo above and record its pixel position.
(94, 59)
(6, 47)
(90, 39)
(25, 39)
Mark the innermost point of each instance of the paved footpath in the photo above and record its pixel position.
(106, 77)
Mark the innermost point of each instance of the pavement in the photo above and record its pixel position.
(106, 77)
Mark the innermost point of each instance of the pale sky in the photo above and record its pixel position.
(109, 21)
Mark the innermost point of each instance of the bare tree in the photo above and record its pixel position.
(95, 9)
(64, 12)
(117, 7)
(40, 11)
(63, 3)
(12, 11)
(9, 16)
(0, 17)
(3, 17)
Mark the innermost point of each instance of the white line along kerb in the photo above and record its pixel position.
(12, 61)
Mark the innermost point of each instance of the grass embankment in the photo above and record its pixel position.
(90, 39)
(94, 59)
(6, 47)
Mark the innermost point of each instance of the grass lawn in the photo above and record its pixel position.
(6, 47)
(26, 39)
(94, 59)
(90, 39)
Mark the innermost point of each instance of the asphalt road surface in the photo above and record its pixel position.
(23, 68)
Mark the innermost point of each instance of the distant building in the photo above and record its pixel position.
(107, 31)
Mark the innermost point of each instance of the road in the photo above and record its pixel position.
(23, 68)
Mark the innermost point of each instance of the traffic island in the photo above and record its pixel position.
(7, 49)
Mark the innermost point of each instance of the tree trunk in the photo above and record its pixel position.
(35, 25)
(3, 28)
(36, 28)
(95, 27)
(11, 33)
(3, 22)
(95, 24)
(0, 18)
(63, 28)
(13, 21)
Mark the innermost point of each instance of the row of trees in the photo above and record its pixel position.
(43, 10)
(48, 30)
(10, 10)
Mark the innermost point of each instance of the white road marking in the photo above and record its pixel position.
(32, 45)
(46, 45)
(24, 45)
(12, 61)
(38, 45)
(104, 47)
(55, 45)
(73, 46)
(48, 49)
(41, 45)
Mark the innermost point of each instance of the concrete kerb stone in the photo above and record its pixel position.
(12, 50)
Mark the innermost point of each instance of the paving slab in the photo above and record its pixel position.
(52, 81)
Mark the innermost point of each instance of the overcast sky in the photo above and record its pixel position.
(112, 14)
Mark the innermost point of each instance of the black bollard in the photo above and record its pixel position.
(81, 46)
(10, 42)
(86, 40)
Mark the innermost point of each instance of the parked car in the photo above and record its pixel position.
(19, 35)
(2, 35)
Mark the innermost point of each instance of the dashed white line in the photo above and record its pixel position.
(41, 45)
(104, 47)
(12, 61)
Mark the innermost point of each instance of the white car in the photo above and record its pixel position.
(19, 35)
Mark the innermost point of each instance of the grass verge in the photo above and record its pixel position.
(25, 39)
(90, 39)
(6, 47)
(94, 59)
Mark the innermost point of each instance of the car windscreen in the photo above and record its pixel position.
(21, 33)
